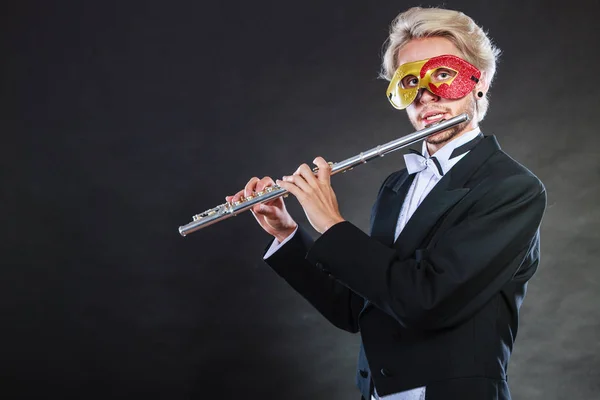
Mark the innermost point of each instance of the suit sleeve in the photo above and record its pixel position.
(334, 301)
(452, 278)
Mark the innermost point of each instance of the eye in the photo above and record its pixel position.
(409, 81)
(442, 75)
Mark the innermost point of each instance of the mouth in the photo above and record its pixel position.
(433, 117)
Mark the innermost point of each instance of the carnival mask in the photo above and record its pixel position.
(446, 76)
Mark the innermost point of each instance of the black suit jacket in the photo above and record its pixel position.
(439, 307)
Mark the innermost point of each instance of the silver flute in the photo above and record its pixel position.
(227, 210)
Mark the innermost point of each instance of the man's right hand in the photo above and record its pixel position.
(272, 215)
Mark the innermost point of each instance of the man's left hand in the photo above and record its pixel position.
(315, 194)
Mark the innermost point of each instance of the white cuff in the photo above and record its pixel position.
(276, 245)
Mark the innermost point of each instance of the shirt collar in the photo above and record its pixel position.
(443, 154)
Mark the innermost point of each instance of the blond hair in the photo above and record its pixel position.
(461, 30)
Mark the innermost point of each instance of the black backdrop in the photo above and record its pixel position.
(120, 120)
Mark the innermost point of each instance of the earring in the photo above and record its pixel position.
(480, 94)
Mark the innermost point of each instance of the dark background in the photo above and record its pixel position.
(120, 120)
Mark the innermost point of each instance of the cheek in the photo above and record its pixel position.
(453, 105)
(412, 112)
(462, 103)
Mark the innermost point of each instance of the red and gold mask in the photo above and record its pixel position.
(447, 76)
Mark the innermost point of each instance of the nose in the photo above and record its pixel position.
(426, 97)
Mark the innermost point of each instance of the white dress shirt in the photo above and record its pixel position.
(428, 178)
(423, 183)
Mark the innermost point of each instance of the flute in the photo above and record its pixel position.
(227, 210)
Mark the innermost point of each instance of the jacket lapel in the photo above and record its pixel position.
(436, 204)
(448, 191)
(388, 207)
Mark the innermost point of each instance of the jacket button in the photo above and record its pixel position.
(364, 373)
(385, 372)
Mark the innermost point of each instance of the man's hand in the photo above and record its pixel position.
(314, 194)
(272, 215)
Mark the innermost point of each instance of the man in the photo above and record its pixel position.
(436, 288)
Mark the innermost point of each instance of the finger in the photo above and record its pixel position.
(291, 187)
(324, 172)
(307, 173)
(264, 209)
(237, 196)
(263, 183)
(250, 187)
(299, 181)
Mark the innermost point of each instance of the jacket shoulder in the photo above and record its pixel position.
(501, 167)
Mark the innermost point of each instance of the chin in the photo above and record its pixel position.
(442, 137)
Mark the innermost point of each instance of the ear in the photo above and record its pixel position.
(483, 85)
